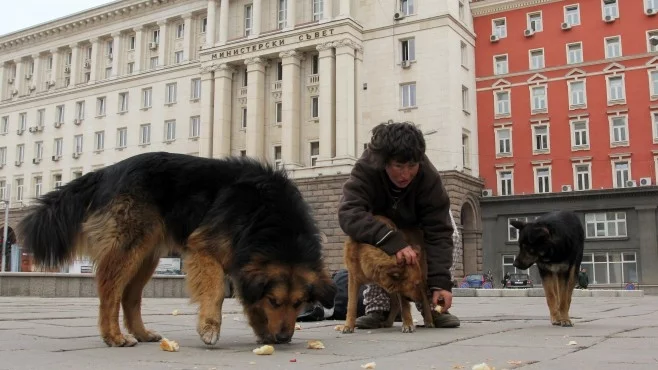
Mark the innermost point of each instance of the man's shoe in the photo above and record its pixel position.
(445, 320)
(372, 320)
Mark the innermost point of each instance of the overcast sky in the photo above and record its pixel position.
(19, 14)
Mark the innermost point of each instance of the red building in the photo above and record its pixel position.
(567, 104)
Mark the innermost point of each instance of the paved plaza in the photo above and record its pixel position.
(506, 333)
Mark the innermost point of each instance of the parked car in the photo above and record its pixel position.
(477, 281)
(519, 281)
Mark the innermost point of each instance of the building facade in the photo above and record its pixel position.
(299, 83)
(567, 96)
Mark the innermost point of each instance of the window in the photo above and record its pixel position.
(59, 147)
(196, 89)
(651, 4)
(4, 125)
(3, 156)
(461, 10)
(108, 72)
(195, 126)
(145, 134)
(541, 138)
(99, 140)
(577, 97)
(315, 64)
(463, 54)
(122, 137)
(505, 183)
(38, 149)
(247, 19)
(534, 22)
(504, 141)
(317, 10)
(502, 103)
(652, 37)
(465, 104)
(572, 14)
(500, 64)
(407, 7)
(619, 130)
(408, 48)
(19, 190)
(537, 59)
(499, 28)
(654, 119)
(580, 135)
(57, 181)
(59, 115)
(123, 102)
(408, 92)
(622, 173)
(278, 163)
(38, 185)
(466, 151)
(654, 83)
(315, 106)
(583, 176)
(80, 110)
(147, 97)
(282, 15)
(170, 130)
(279, 71)
(538, 98)
(3, 190)
(178, 57)
(575, 53)
(611, 267)
(605, 225)
(315, 152)
(132, 41)
(613, 47)
(278, 113)
(204, 25)
(20, 153)
(543, 180)
(22, 121)
(77, 144)
(153, 62)
(100, 106)
(616, 89)
(610, 9)
(180, 30)
(170, 93)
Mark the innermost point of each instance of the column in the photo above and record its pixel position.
(139, 46)
(345, 106)
(327, 99)
(257, 18)
(117, 47)
(55, 72)
(291, 93)
(36, 80)
(205, 140)
(345, 10)
(187, 37)
(221, 146)
(162, 46)
(291, 14)
(327, 6)
(648, 245)
(4, 76)
(211, 20)
(95, 68)
(223, 22)
(255, 107)
(19, 81)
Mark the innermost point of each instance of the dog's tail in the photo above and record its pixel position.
(51, 229)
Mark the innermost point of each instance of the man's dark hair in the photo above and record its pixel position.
(398, 141)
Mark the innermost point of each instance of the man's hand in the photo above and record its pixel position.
(407, 255)
(442, 298)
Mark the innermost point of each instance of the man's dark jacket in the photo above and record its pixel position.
(424, 203)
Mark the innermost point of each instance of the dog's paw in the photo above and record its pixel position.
(209, 333)
(429, 324)
(347, 329)
(149, 336)
(408, 328)
(120, 340)
(566, 323)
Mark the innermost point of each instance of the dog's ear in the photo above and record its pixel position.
(322, 291)
(540, 233)
(395, 273)
(253, 288)
(518, 224)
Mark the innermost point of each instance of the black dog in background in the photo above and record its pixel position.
(555, 242)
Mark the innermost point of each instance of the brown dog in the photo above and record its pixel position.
(368, 264)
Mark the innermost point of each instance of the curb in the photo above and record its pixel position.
(539, 292)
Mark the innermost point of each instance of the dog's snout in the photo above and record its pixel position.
(283, 337)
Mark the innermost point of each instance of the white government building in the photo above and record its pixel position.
(297, 82)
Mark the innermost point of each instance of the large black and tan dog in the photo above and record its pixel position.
(555, 242)
(230, 216)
